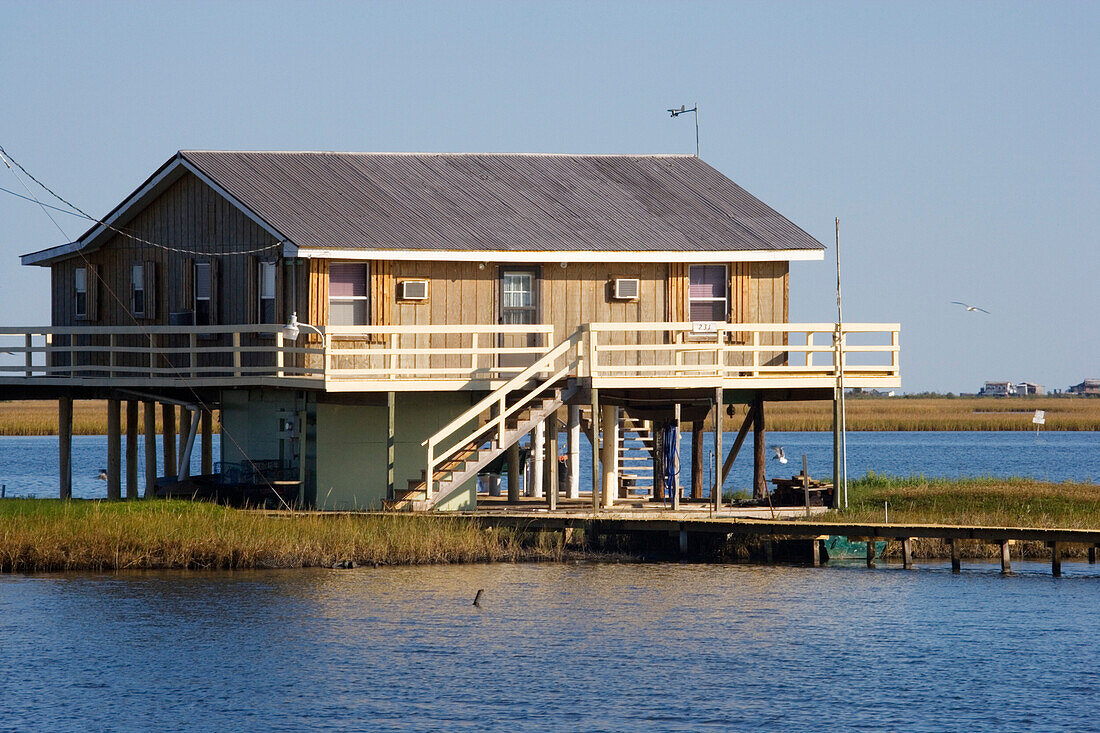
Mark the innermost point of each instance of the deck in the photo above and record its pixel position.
(451, 358)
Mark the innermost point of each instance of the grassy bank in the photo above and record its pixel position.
(38, 535)
(990, 502)
(27, 417)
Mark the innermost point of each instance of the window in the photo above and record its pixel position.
(137, 289)
(517, 296)
(347, 294)
(204, 294)
(708, 292)
(80, 292)
(266, 281)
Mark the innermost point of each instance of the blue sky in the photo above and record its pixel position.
(957, 142)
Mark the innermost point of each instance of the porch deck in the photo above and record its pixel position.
(452, 358)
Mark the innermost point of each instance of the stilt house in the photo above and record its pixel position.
(378, 329)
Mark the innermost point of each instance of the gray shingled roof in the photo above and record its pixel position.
(515, 202)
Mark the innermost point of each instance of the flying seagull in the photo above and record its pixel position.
(778, 451)
(969, 308)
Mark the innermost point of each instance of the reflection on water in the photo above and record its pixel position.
(563, 647)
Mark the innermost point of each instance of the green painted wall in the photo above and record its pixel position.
(351, 449)
(250, 422)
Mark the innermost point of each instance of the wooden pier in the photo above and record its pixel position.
(689, 524)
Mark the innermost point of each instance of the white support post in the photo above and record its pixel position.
(502, 424)
(573, 485)
(429, 483)
(473, 356)
(184, 469)
(756, 353)
(538, 455)
(609, 460)
(278, 353)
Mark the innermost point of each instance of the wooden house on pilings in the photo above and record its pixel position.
(448, 307)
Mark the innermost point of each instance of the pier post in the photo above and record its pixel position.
(391, 446)
(550, 467)
(907, 552)
(114, 449)
(956, 565)
(675, 488)
(573, 484)
(815, 552)
(1006, 557)
(538, 459)
(514, 472)
(131, 449)
(1056, 559)
(870, 553)
(65, 446)
(1092, 554)
(657, 453)
(683, 540)
(759, 479)
(207, 421)
(184, 455)
(150, 426)
(168, 438)
(718, 482)
(836, 447)
(610, 421)
(596, 473)
(697, 459)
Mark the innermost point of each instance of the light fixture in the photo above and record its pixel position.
(294, 326)
(563, 264)
(481, 265)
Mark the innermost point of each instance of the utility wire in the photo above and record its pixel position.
(77, 211)
(179, 374)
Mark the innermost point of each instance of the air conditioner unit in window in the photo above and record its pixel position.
(626, 288)
(414, 290)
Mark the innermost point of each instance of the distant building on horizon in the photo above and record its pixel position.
(1011, 389)
(1089, 387)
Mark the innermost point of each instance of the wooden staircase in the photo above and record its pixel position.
(635, 457)
(465, 463)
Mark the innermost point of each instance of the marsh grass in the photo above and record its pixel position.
(989, 502)
(39, 535)
(39, 417)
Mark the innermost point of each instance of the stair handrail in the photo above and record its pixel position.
(499, 397)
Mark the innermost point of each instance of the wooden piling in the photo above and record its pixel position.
(185, 433)
(870, 553)
(573, 445)
(674, 490)
(697, 459)
(716, 498)
(65, 445)
(391, 445)
(131, 449)
(550, 471)
(956, 565)
(538, 460)
(1006, 557)
(683, 541)
(149, 419)
(815, 552)
(1056, 559)
(114, 449)
(207, 423)
(514, 472)
(907, 552)
(168, 438)
(610, 421)
(595, 439)
(1092, 554)
(759, 479)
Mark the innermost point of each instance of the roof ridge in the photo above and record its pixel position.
(441, 154)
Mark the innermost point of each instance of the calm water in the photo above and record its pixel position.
(555, 647)
(28, 466)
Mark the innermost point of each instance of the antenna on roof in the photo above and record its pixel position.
(683, 111)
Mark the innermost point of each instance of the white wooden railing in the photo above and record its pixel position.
(365, 358)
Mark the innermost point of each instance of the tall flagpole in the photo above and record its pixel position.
(840, 373)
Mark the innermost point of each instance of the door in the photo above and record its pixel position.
(518, 304)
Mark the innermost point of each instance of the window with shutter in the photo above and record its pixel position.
(137, 290)
(80, 292)
(266, 292)
(204, 294)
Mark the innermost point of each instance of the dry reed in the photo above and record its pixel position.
(38, 535)
(39, 417)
